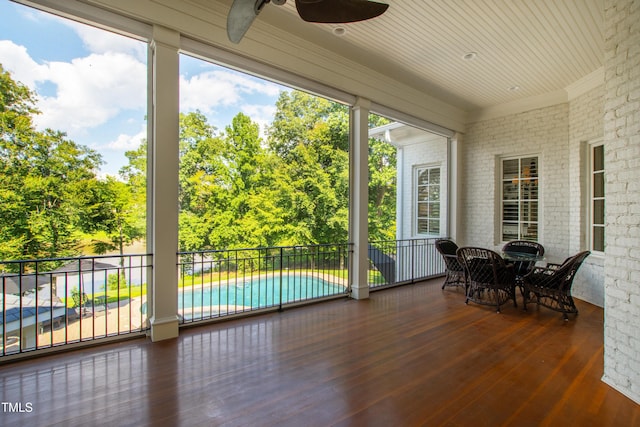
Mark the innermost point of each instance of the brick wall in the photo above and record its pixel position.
(423, 154)
(622, 160)
(543, 132)
(558, 135)
(586, 118)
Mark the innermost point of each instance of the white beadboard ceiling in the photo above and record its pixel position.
(536, 46)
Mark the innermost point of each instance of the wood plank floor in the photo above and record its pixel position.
(413, 355)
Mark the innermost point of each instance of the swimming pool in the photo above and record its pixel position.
(256, 292)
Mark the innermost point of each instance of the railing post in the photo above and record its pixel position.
(413, 259)
(281, 266)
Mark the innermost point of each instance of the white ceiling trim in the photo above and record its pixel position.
(92, 15)
(411, 120)
(586, 84)
(520, 106)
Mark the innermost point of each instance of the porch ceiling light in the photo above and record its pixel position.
(470, 56)
(339, 31)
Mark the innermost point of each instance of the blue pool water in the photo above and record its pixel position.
(258, 292)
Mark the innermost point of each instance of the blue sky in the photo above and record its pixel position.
(91, 83)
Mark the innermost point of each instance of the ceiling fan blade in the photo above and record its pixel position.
(241, 16)
(339, 11)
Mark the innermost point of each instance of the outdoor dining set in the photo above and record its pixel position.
(491, 278)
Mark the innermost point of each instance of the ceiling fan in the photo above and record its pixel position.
(244, 12)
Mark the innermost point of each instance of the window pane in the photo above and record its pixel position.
(509, 232)
(529, 189)
(530, 167)
(598, 184)
(423, 226)
(529, 211)
(434, 193)
(598, 212)
(598, 239)
(434, 226)
(510, 169)
(423, 209)
(434, 176)
(509, 191)
(423, 177)
(434, 210)
(598, 158)
(423, 194)
(529, 231)
(510, 211)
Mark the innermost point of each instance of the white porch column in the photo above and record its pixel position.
(164, 183)
(400, 190)
(358, 206)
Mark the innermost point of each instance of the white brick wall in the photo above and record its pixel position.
(431, 153)
(585, 126)
(558, 136)
(622, 158)
(543, 132)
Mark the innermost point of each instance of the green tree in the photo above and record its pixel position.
(44, 181)
(237, 190)
(382, 190)
(382, 186)
(309, 135)
(115, 212)
(205, 219)
(117, 281)
(80, 300)
(258, 221)
(17, 105)
(135, 175)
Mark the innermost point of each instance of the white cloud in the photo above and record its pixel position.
(23, 68)
(88, 91)
(126, 142)
(209, 90)
(92, 90)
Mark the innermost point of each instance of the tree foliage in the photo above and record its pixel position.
(44, 181)
(238, 188)
(49, 191)
(382, 186)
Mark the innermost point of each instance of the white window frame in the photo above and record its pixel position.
(416, 200)
(592, 172)
(501, 179)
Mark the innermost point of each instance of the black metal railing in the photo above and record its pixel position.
(393, 262)
(52, 302)
(219, 283)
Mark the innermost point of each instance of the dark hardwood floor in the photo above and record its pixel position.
(413, 355)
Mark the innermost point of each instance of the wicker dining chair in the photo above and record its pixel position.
(454, 273)
(551, 285)
(524, 247)
(490, 281)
